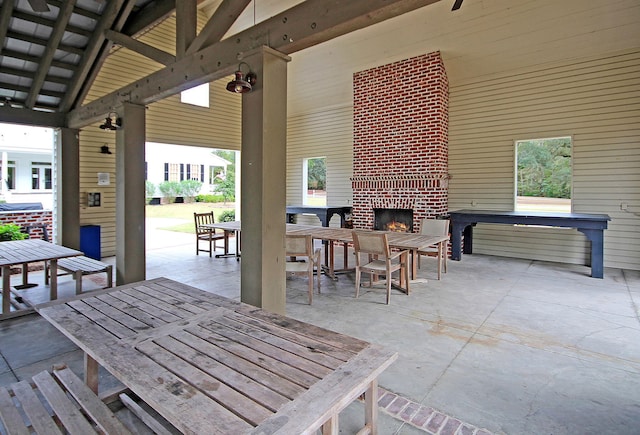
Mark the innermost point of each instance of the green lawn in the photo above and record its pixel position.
(186, 211)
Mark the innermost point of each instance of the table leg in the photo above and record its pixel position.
(330, 427)
(91, 373)
(6, 289)
(53, 285)
(371, 407)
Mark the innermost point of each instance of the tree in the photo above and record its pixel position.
(544, 168)
(226, 186)
(317, 173)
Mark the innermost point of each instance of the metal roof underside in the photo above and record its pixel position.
(51, 50)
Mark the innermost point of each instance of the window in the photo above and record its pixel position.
(10, 178)
(41, 176)
(314, 177)
(198, 96)
(543, 175)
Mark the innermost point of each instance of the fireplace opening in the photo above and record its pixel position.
(393, 219)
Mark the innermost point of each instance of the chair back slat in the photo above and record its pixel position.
(374, 243)
(434, 227)
(296, 244)
(202, 219)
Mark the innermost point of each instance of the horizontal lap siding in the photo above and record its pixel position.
(597, 101)
(327, 133)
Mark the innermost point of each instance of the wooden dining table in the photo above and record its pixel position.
(209, 364)
(23, 252)
(344, 236)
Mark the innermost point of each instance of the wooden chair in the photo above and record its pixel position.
(209, 235)
(380, 261)
(436, 227)
(302, 246)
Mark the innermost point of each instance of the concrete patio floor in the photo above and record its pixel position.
(497, 346)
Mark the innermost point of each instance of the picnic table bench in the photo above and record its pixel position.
(53, 401)
(80, 266)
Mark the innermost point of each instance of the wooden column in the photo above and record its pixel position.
(263, 178)
(130, 195)
(66, 218)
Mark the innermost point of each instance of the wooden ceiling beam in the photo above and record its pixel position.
(220, 22)
(5, 18)
(186, 23)
(307, 24)
(146, 50)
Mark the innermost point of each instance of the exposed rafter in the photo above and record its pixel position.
(140, 47)
(96, 52)
(186, 22)
(47, 57)
(221, 21)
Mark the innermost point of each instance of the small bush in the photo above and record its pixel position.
(11, 232)
(227, 216)
(209, 198)
(150, 190)
(170, 189)
(190, 187)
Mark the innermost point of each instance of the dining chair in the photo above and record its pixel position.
(436, 227)
(374, 257)
(209, 235)
(296, 246)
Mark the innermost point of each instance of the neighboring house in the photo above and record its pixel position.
(167, 162)
(26, 171)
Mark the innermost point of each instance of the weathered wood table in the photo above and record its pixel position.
(23, 252)
(212, 365)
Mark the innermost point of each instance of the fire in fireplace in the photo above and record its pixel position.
(393, 219)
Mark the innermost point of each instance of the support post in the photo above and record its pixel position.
(130, 195)
(66, 213)
(263, 178)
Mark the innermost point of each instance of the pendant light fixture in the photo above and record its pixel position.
(111, 125)
(242, 83)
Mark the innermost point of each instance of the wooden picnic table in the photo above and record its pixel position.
(209, 364)
(23, 252)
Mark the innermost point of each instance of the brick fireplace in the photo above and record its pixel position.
(400, 149)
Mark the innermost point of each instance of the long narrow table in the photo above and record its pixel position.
(213, 365)
(23, 252)
(591, 225)
(324, 212)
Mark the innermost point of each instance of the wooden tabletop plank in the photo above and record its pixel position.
(237, 403)
(335, 392)
(191, 295)
(32, 250)
(255, 341)
(283, 387)
(147, 314)
(125, 319)
(332, 338)
(100, 319)
(302, 346)
(267, 362)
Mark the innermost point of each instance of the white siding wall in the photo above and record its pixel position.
(326, 133)
(597, 101)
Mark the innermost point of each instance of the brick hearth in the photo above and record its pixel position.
(400, 152)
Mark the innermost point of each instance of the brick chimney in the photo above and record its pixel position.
(400, 149)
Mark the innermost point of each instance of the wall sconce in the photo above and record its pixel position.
(242, 83)
(104, 149)
(111, 125)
